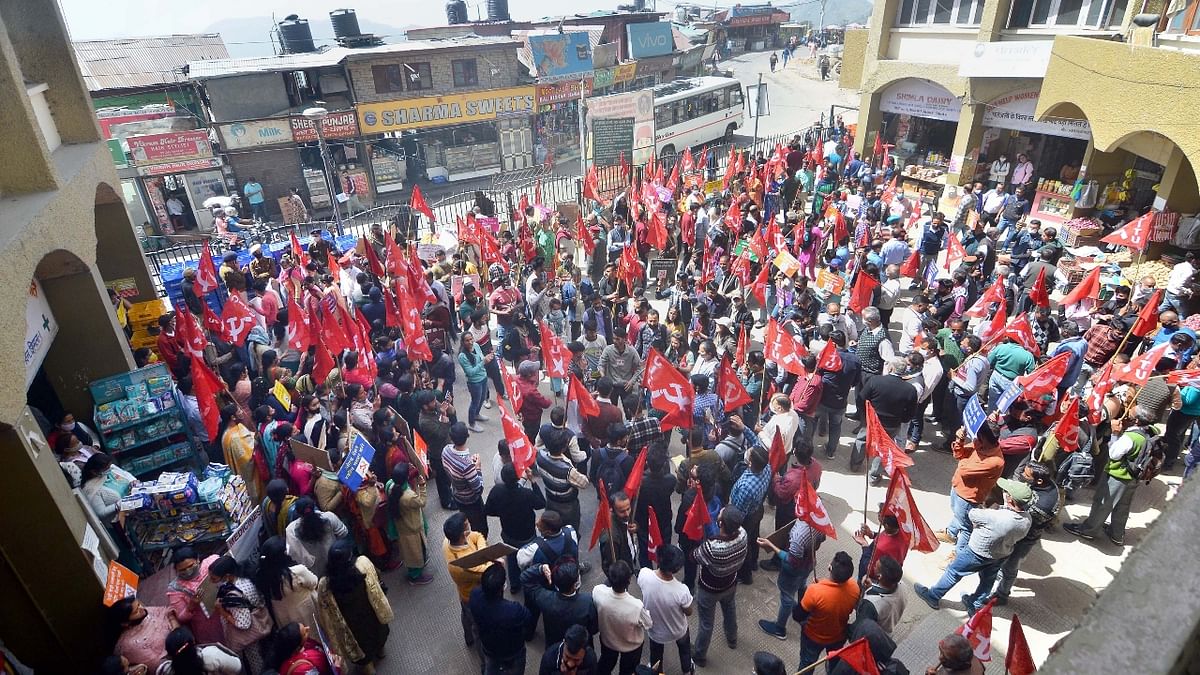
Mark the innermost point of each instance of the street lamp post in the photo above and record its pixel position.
(317, 115)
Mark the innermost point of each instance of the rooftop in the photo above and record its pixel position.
(129, 63)
(203, 70)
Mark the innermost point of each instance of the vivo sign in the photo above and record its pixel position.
(650, 39)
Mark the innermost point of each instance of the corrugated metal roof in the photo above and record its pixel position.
(203, 70)
(129, 63)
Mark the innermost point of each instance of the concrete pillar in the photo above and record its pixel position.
(994, 19)
(52, 614)
(19, 129)
(870, 123)
(967, 139)
(1178, 184)
(90, 345)
(118, 253)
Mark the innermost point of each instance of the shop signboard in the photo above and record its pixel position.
(635, 106)
(180, 167)
(650, 39)
(255, 133)
(1018, 58)
(624, 73)
(602, 79)
(337, 125)
(561, 55)
(40, 329)
(567, 90)
(118, 153)
(170, 147)
(920, 98)
(1015, 111)
(605, 55)
(451, 109)
(759, 19)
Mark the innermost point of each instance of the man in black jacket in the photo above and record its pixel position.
(835, 390)
(895, 402)
(557, 596)
(516, 507)
(503, 621)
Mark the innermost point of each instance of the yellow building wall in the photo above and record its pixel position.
(854, 56)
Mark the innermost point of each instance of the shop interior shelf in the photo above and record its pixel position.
(197, 540)
(147, 441)
(159, 459)
(140, 420)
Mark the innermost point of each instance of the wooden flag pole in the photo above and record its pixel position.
(811, 668)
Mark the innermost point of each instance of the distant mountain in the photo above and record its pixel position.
(251, 36)
(838, 13)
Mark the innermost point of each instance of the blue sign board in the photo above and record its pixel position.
(357, 462)
(974, 416)
(1006, 399)
(650, 39)
(561, 56)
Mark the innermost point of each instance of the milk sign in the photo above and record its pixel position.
(255, 133)
(650, 39)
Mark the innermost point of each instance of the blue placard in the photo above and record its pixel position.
(564, 56)
(357, 462)
(974, 416)
(650, 39)
(1011, 394)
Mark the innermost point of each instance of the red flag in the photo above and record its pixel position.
(299, 333)
(673, 181)
(393, 257)
(582, 397)
(954, 252)
(655, 535)
(880, 444)
(1184, 378)
(393, 317)
(206, 272)
(1141, 367)
(554, 352)
(1045, 378)
(1147, 319)
(213, 323)
(414, 331)
(912, 267)
(629, 268)
(584, 236)
(857, 655)
(298, 253)
(994, 294)
(759, 289)
(1018, 660)
(889, 193)
(657, 234)
(1019, 331)
(829, 360)
(877, 149)
(777, 457)
(332, 261)
(417, 203)
(324, 362)
(634, 482)
(900, 503)
(237, 319)
(739, 357)
(1135, 234)
(189, 334)
(374, 264)
(591, 186)
(603, 517)
(697, 517)
(729, 387)
(996, 327)
(362, 344)
(1066, 431)
(811, 510)
(670, 391)
(418, 284)
(514, 392)
(860, 291)
(205, 387)
(1038, 295)
(978, 631)
(519, 447)
(490, 249)
(780, 347)
(1102, 383)
(1088, 288)
(687, 161)
(626, 172)
(333, 335)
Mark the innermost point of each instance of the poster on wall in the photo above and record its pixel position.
(40, 329)
(637, 106)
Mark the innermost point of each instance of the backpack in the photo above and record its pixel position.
(1149, 461)
(610, 470)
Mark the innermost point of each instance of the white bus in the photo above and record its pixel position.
(695, 111)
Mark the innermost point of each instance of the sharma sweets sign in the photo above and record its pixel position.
(440, 111)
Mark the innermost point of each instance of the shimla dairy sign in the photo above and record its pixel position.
(439, 111)
(1015, 111)
(921, 98)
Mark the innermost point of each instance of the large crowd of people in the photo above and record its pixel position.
(807, 291)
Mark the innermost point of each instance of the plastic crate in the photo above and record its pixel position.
(141, 339)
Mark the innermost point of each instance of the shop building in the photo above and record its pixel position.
(954, 87)
(750, 28)
(66, 235)
(139, 88)
(443, 110)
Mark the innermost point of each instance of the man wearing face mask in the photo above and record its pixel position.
(998, 172)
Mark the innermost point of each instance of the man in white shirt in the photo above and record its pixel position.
(896, 250)
(889, 293)
(623, 620)
(175, 213)
(834, 316)
(899, 206)
(916, 315)
(1178, 290)
(993, 203)
(670, 604)
(998, 172)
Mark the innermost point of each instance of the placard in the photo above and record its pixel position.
(281, 394)
(496, 551)
(829, 282)
(243, 541)
(974, 416)
(611, 138)
(121, 583)
(787, 263)
(125, 287)
(458, 282)
(357, 462)
(663, 270)
(1011, 394)
(313, 455)
(782, 537)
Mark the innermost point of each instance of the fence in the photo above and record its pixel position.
(505, 191)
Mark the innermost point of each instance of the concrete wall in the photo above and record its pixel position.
(244, 97)
(854, 55)
(503, 59)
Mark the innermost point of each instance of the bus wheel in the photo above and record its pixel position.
(729, 130)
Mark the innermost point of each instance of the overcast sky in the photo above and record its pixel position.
(92, 19)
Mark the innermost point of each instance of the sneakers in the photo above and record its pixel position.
(421, 580)
(584, 567)
(1078, 531)
(1119, 541)
(771, 628)
(482, 418)
(488, 404)
(769, 565)
(968, 602)
(1001, 600)
(700, 660)
(732, 643)
(475, 428)
(924, 594)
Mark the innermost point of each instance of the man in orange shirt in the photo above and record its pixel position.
(825, 609)
(980, 463)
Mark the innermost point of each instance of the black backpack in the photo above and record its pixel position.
(609, 470)
(1149, 461)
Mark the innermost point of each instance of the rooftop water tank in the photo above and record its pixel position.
(456, 12)
(296, 36)
(497, 10)
(345, 23)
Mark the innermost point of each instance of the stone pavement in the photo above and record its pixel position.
(1057, 584)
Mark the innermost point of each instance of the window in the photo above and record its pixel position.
(465, 74)
(1081, 13)
(1186, 20)
(939, 12)
(735, 96)
(387, 79)
(418, 76)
